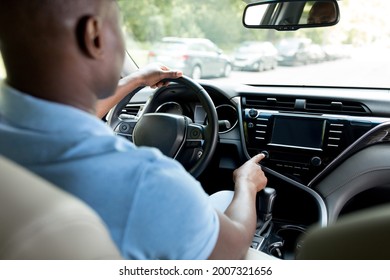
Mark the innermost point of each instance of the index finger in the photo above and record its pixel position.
(257, 158)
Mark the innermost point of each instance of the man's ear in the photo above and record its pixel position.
(89, 36)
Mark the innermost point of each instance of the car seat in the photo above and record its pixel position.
(362, 235)
(39, 221)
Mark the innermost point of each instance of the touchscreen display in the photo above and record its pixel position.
(298, 132)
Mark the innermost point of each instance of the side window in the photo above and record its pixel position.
(207, 48)
(196, 47)
(213, 47)
(202, 47)
(210, 47)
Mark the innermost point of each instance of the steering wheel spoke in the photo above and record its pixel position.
(125, 128)
(195, 135)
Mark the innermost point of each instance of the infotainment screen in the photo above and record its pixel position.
(298, 132)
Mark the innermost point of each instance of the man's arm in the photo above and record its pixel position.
(238, 222)
(151, 75)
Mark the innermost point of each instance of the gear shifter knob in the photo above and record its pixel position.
(265, 202)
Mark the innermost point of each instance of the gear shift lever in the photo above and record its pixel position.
(265, 202)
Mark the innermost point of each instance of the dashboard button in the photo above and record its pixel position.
(266, 154)
(316, 161)
(253, 113)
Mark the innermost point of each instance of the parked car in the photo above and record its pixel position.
(316, 54)
(196, 57)
(334, 52)
(294, 51)
(255, 56)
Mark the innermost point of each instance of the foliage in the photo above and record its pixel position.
(220, 20)
(155, 19)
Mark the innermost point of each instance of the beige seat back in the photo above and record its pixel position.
(363, 235)
(40, 221)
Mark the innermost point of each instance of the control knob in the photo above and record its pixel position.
(316, 161)
(266, 154)
(253, 113)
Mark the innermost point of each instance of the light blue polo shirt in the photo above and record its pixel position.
(153, 208)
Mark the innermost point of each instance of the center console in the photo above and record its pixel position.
(273, 237)
(300, 145)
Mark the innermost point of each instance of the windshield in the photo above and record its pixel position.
(353, 53)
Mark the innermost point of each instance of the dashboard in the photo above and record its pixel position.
(178, 100)
(305, 132)
(327, 149)
(301, 130)
(227, 114)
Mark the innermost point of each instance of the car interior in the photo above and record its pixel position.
(327, 161)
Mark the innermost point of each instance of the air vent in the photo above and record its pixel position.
(321, 106)
(336, 107)
(131, 109)
(270, 103)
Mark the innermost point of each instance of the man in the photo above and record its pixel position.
(322, 12)
(61, 57)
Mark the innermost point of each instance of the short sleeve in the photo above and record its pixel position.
(171, 217)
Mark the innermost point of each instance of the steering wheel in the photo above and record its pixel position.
(192, 144)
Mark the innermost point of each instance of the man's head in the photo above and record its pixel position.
(52, 45)
(322, 12)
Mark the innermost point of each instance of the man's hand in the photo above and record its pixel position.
(250, 174)
(153, 74)
(150, 75)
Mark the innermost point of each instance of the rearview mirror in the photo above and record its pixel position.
(291, 14)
